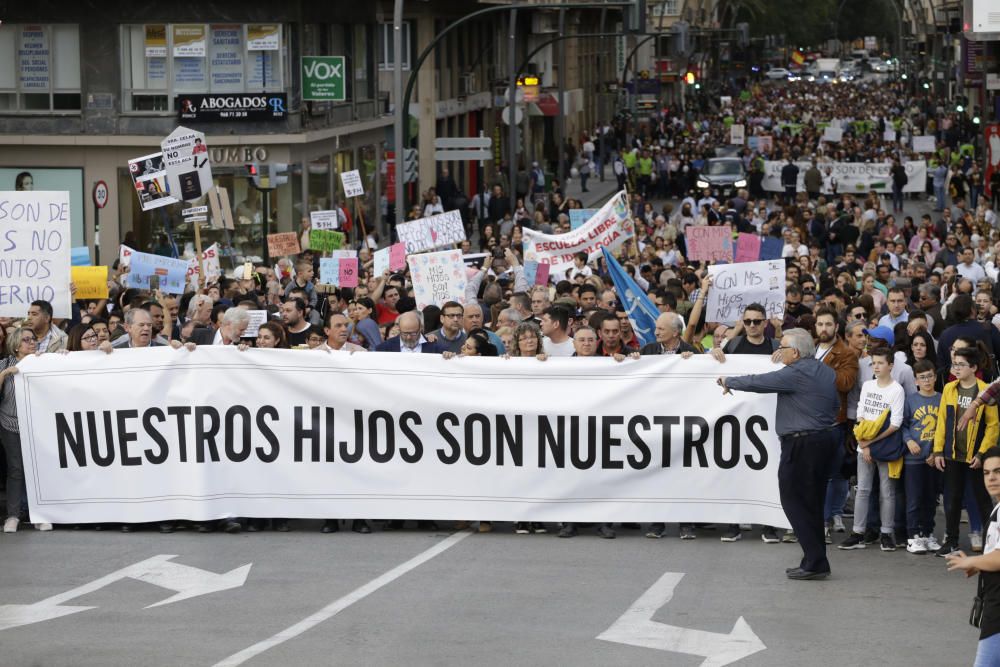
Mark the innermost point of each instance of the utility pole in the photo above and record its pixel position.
(401, 115)
(512, 106)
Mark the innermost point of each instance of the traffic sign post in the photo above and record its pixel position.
(101, 195)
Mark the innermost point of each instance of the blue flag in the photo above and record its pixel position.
(642, 312)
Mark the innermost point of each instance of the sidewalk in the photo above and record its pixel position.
(597, 192)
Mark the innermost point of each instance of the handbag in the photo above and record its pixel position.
(976, 613)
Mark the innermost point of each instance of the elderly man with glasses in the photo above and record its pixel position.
(805, 421)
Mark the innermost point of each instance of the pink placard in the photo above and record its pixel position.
(542, 274)
(747, 248)
(710, 244)
(348, 272)
(397, 256)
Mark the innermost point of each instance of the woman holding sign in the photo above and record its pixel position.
(21, 343)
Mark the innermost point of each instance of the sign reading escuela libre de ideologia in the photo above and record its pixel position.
(323, 79)
(235, 106)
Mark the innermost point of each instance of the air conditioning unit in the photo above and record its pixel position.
(544, 22)
(467, 85)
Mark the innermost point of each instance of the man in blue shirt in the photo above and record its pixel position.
(805, 420)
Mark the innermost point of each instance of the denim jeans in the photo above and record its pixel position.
(887, 494)
(836, 485)
(16, 491)
(988, 653)
(897, 198)
(920, 489)
(939, 196)
(955, 475)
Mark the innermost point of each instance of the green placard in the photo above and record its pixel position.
(323, 79)
(325, 240)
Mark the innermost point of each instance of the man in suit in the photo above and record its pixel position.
(138, 333)
(233, 324)
(410, 338)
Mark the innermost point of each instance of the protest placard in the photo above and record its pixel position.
(210, 260)
(35, 260)
(381, 259)
(322, 240)
(542, 274)
(324, 220)
(433, 232)
(924, 144)
(284, 243)
(150, 181)
(851, 176)
(771, 248)
(80, 256)
(737, 134)
(437, 277)
(257, 318)
(91, 281)
(124, 256)
(833, 134)
(397, 257)
(735, 286)
(170, 274)
(747, 248)
(709, 244)
(348, 272)
(351, 181)
(329, 270)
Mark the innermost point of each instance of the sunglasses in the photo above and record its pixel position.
(752, 322)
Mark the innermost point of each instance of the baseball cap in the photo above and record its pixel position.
(882, 333)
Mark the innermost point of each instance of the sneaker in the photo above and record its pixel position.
(538, 528)
(746, 526)
(10, 525)
(567, 530)
(827, 535)
(789, 537)
(977, 542)
(45, 527)
(838, 524)
(522, 528)
(769, 536)
(732, 535)
(916, 545)
(656, 531)
(887, 542)
(871, 536)
(946, 548)
(853, 541)
(687, 533)
(931, 543)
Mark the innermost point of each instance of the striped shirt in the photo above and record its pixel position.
(8, 408)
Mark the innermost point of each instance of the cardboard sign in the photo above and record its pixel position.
(324, 220)
(924, 144)
(735, 286)
(747, 248)
(436, 231)
(222, 212)
(351, 180)
(91, 281)
(737, 134)
(185, 158)
(437, 277)
(381, 264)
(348, 271)
(150, 181)
(257, 318)
(285, 243)
(322, 240)
(170, 274)
(709, 244)
(210, 260)
(397, 256)
(833, 134)
(34, 251)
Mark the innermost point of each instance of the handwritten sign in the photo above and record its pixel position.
(397, 257)
(924, 144)
(210, 260)
(284, 243)
(124, 256)
(436, 231)
(324, 220)
(381, 259)
(710, 244)
(833, 134)
(735, 286)
(170, 273)
(35, 255)
(323, 240)
(329, 270)
(351, 181)
(437, 277)
(348, 272)
(747, 248)
(737, 134)
(257, 318)
(91, 281)
(771, 248)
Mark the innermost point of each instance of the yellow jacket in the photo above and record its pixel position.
(980, 434)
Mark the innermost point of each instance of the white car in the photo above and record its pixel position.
(777, 73)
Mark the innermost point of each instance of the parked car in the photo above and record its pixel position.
(777, 74)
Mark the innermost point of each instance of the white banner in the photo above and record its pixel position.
(736, 286)
(852, 176)
(145, 435)
(610, 227)
(35, 251)
(437, 231)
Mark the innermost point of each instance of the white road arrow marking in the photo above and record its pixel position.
(184, 580)
(636, 627)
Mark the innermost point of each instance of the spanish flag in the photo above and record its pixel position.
(798, 58)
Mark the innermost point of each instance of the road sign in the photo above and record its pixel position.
(323, 79)
(518, 115)
(463, 148)
(445, 156)
(463, 142)
(185, 159)
(100, 194)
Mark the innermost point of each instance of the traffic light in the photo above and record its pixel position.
(635, 16)
(279, 174)
(690, 78)
(253, 175)
(267, 176)
(528, 80)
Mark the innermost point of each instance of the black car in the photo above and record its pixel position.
(723, 176)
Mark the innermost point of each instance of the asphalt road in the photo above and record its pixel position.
(493, 599)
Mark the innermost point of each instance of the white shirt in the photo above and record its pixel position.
(415, 350)
(875, 400)
(901, 373)
(973, 271)
(563, 349)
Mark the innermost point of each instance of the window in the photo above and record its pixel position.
(386, 61)
(39, 67)
(667, 8)
(163, 60)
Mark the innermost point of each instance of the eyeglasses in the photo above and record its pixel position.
(858, 316)
(409, 334)
(752, 322)
(960, 364)
(90, 336)
(784, 347)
